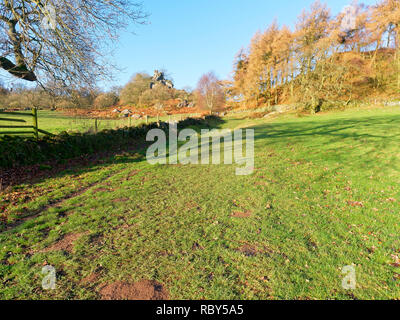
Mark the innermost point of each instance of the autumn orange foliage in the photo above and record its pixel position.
(324, 59)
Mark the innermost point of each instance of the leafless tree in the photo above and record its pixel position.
(210, 93)
(63, 42)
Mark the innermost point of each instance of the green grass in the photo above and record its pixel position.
(324, 195)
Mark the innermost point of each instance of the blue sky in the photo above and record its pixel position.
(189, 38)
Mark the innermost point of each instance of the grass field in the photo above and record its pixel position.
(56, 122)
(324, 195)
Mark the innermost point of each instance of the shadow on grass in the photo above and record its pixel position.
(363, 141)
(32, 174)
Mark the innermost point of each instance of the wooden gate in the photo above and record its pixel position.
(33, 129)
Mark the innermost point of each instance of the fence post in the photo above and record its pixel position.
(35, 123)
(147, 119)
(95, 125)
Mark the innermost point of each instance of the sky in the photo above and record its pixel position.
(189, 38)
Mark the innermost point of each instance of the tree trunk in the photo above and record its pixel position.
(20, 71)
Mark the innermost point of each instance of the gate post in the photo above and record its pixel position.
(35, 123)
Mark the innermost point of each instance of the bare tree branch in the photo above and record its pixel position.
(63, 42)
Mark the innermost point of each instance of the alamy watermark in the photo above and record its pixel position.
(49, 21)
(49, 280)
(349, 20)
(203, 149)
(349, 282)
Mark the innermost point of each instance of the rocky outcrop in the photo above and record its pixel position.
(185, 104)
(159, 79)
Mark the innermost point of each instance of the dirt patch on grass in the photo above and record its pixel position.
(91, 278)
(65, 244)
(131, 174)
(248, 250)
(143, 290)
(241, 214)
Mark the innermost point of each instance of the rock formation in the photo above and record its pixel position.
(159, 78)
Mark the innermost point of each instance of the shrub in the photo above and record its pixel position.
(322, 105)
(105, 100)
